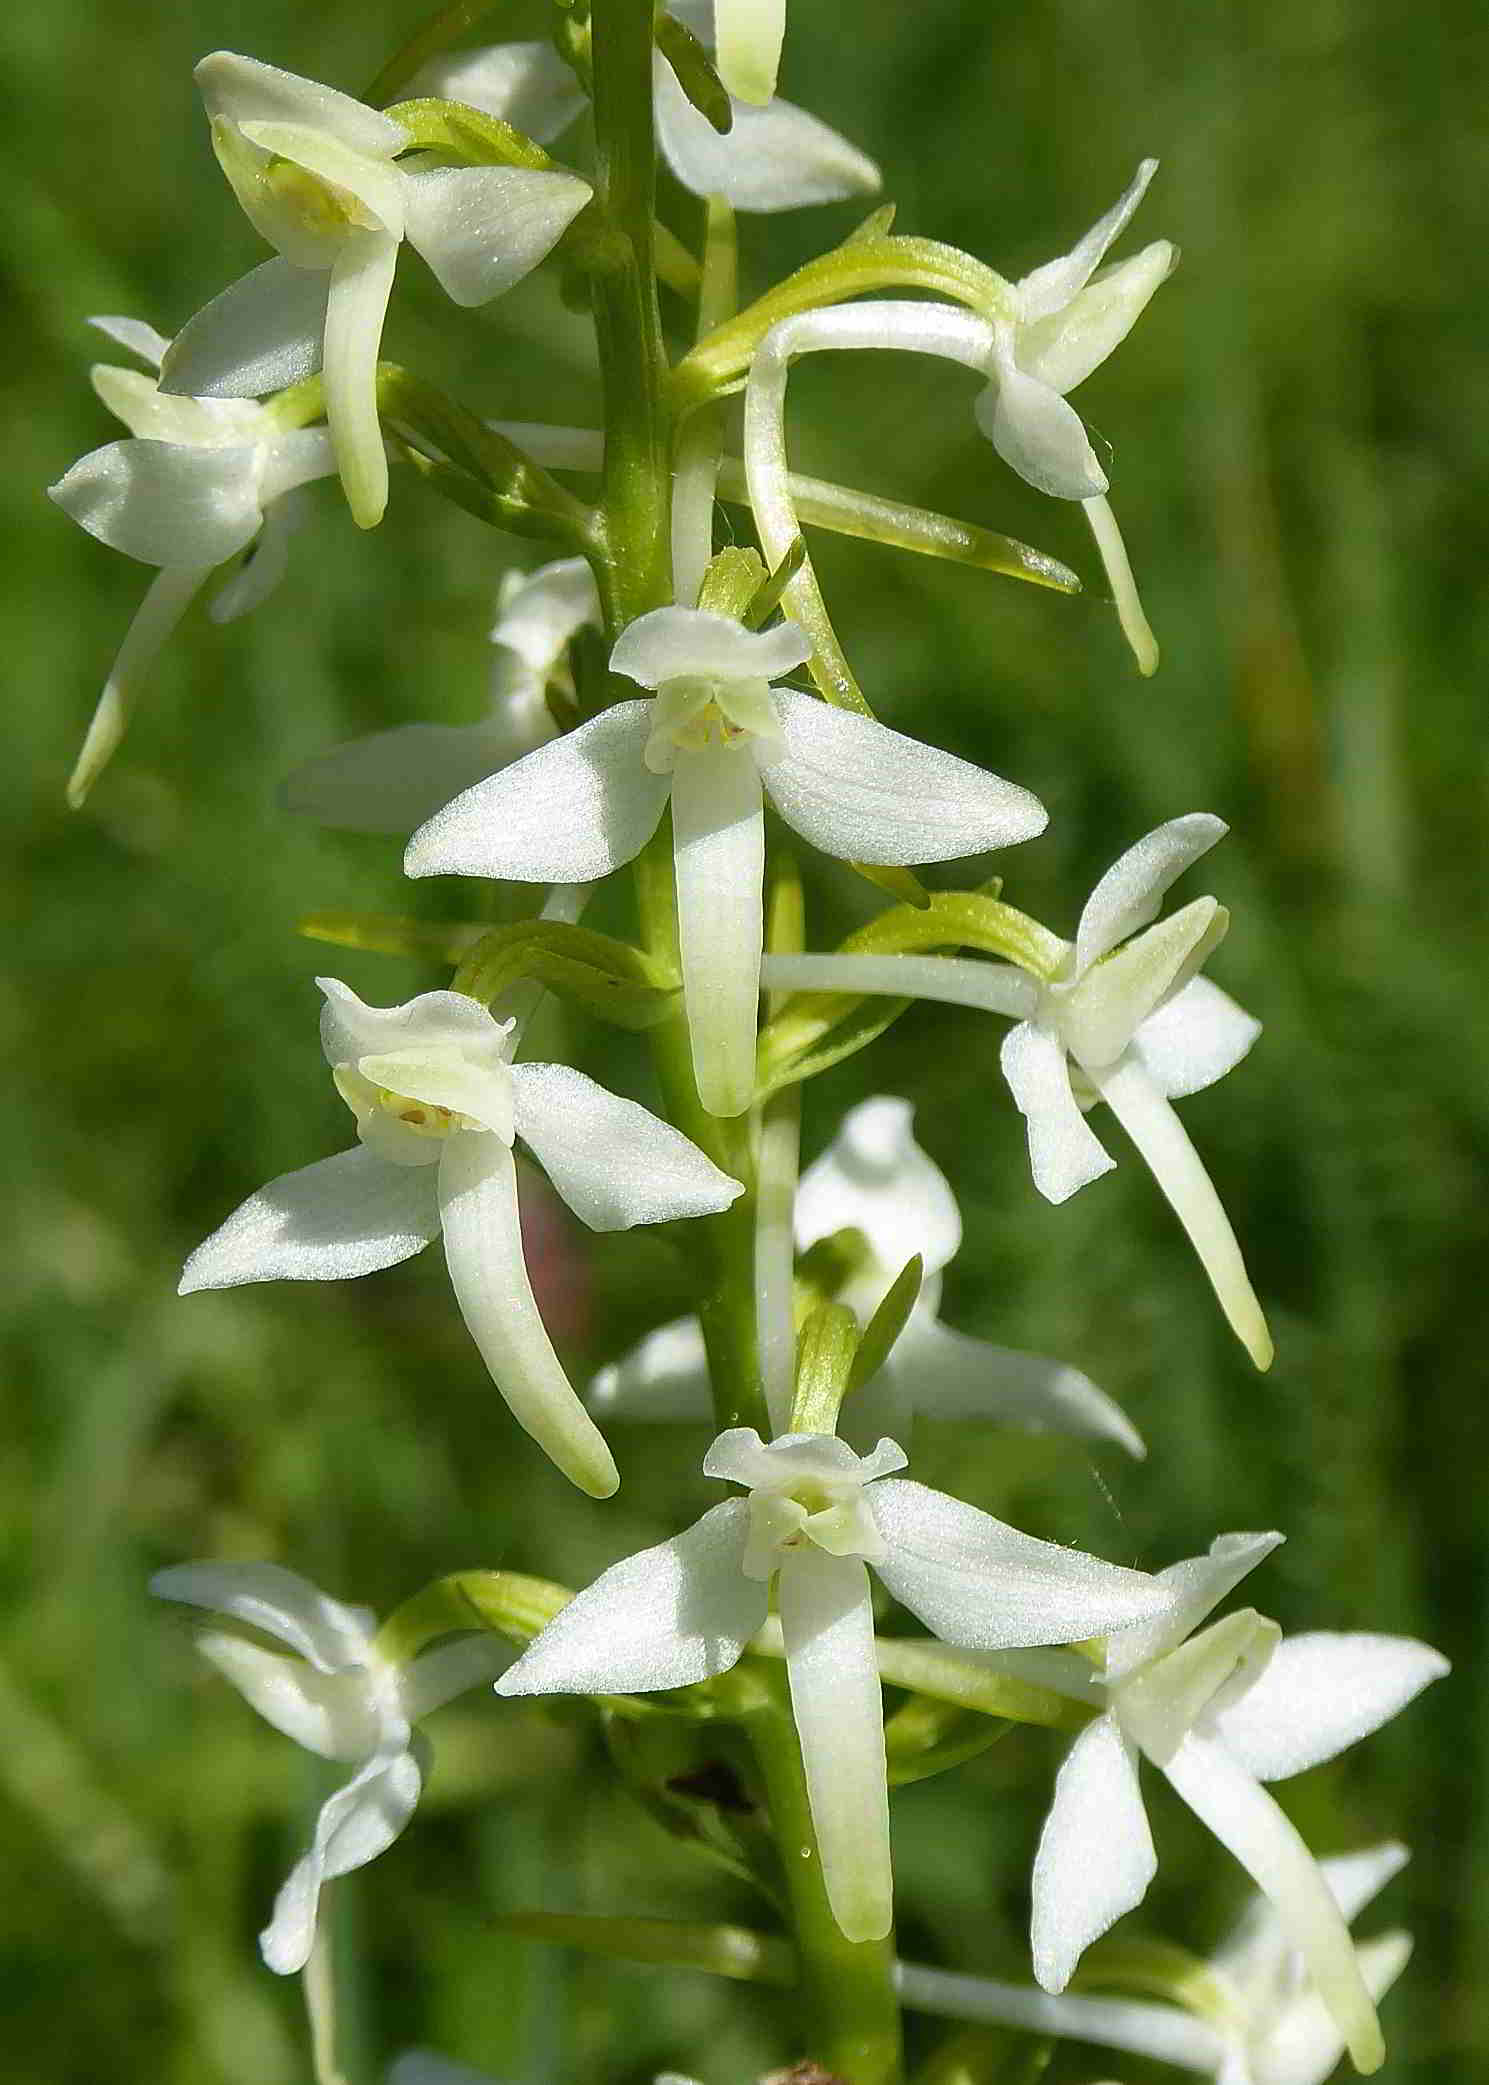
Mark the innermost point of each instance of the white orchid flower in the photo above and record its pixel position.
(1125, 1019)
(391, 781)
(1219, 1713)
(438, 1105)
(338, 1696)
(716, 740)
(199, 480)
(750, 35)
(317, 174)
(816, 1517)
(1264, 2024)
(774, 157)
(875, 1179)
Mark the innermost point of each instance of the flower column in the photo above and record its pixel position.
(848, 2004)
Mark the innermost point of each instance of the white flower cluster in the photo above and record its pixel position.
(560, 786)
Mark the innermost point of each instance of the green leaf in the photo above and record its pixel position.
(503, 1603)
(1155, 1969)
(389, 934)
(695, 72)
(763, 603)
(923, 1666)
(887, 1323)
(694, 1782)
(854, 1023)
(927, 1737)
(732, 1951)
(825, 1349)
(607, 977)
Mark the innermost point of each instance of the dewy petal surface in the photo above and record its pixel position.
(1065, 1153)
(665, 1617)
(342, 1217)
(165, 504)
(827, 1625)
(977, 1582)
(481, 229)
(773, 158)
(264, 331)
(1095, 1857)
(483, 1250)
(858, 790)
(1321, 1692)
(613, 1161)
(326, 1632)
(1131, 893)
(1194, 1039)
(248, 91)
(1245, 1819)
(568, 813)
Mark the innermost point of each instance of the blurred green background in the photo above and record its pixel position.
(1298, 432)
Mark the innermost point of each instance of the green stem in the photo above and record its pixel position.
(848, 2005)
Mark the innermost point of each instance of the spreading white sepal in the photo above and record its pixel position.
(438, 1104)
(684, 1611)
(525, 84)
(262, 332)
(340, 1697)
(1322, 1692)
(773, 157)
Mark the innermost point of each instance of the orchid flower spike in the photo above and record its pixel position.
(715, 740)
(339, 1696)
(875, 1181)
(391, 781)
(438, 1104)
(199, 480)
(816, 1517)
(773, 157)
(1121, 1016)
(1066, 318)
(1262, 2022)
(318, 175)
(1219, 1713)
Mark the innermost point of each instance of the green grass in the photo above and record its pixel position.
(1297, 427)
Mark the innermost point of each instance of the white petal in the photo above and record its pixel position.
(1063, 349)
(478, 1086)
(437, 1676)
(613, 1161)
(1038, 435)
(1357, 1879)
(665, 1617)
(134, 334)
(482, 229)
(483, 1249)
(355, 1825)
(543, 609)
(1064, 1151)
(991, 987)
(1095, 1857)
(1246, 1820)
(162, 416)
(1115, 996)
(361, 284)
(569, 813)
(1174, 1163)
(875, 1177)
(350, 1028)
(374, 185)
(773, 158)
(170, 594)
(1194, 1039)
(331, 1635)
(1321, 1692)
(328, 1713)
(1051, 287)
(1198, 1584)
(392, 781)
(1305, 2045)
(266, 563)
(248, 91)
(665, 1378)
(858, 790)
(749, 35)
(165, 504)
(1160, 2031)
(977, 1582)
(1132, 891)
(954, 1377)
(827, 1625)
(673, 643)
(739, 1456)
(264, 331)
(718, 838)
(525, 84)
(342, 1217)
